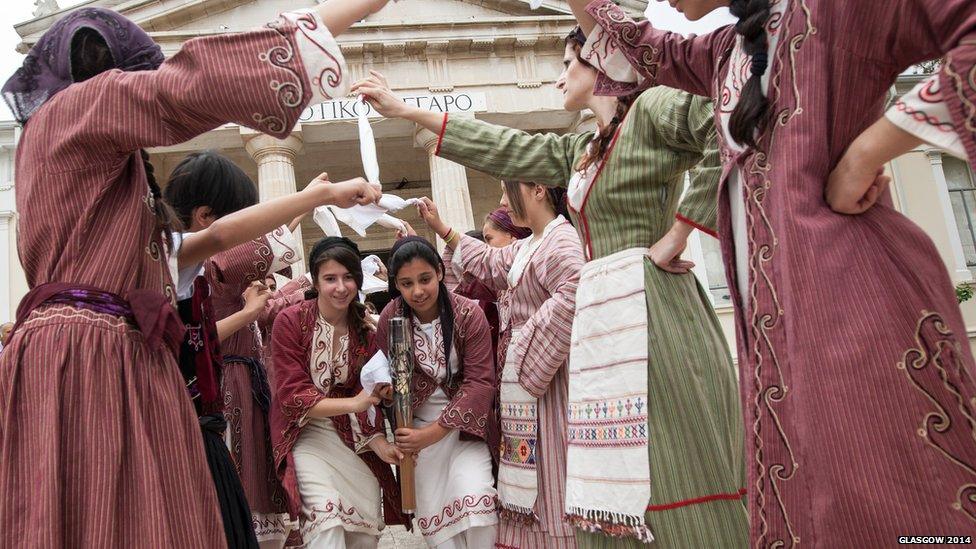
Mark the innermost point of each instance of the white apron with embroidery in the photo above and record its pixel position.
(339, 492)
(608, 469)
(455, 489)
(518, 480)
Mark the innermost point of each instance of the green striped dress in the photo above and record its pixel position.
(694, 419)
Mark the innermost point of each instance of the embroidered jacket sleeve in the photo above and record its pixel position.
(276, 71)
(507, 153)
(942, 110)
(256, 259)
(543, 343)
(631, 56)
(290, 294)
(479, 260)
(294, 392)
(686, 124)
(470, 409)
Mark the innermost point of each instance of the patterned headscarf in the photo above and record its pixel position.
(501, 219)
(47, 67)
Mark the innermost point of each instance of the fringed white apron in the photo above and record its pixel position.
(608, 483)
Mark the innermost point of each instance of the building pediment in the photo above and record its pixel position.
(201, 17)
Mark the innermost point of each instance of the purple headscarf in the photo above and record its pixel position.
(47, 68)
(501, 219)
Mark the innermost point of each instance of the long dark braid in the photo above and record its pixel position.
(594, 155)
(751, 113)
(166, 220)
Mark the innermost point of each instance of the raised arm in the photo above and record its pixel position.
(262, 79)
(502, 152)
(237, 228)
(291, 293)
(473, 257)
(632, 55)
(254, 259)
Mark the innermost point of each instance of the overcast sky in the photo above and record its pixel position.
(18, 11)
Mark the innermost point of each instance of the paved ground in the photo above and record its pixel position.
(397, 537)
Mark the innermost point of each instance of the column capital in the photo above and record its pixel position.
(934, 155)
(260, 145)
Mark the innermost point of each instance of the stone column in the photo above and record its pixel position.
(960, 271)
(276, 172)
(448, 186)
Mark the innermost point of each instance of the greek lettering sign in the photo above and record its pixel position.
(349, 108)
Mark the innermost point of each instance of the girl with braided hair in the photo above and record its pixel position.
(452, 391)
(537, 278)
(331, 457)
(100, 446)
(654, 435)
(855, 368)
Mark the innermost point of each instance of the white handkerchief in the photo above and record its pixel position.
(534, 4)
(390, 222)
(375, 372)
(326, 220)
(367, 145)
(371, 264)
(393, 203)
(358, 218)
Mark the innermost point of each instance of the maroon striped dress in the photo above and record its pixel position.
(540, 306)
(99, 444)
(246, 388)
(856, 373)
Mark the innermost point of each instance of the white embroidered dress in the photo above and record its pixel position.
(455, 489)
(341, 504)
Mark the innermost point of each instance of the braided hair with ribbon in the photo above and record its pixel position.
(751, 113)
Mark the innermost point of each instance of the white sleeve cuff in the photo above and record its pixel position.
(284, 248)
(321, 57)
(602, 52)
(922, 113)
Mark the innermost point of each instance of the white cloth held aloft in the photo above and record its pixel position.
(359, 218)
(375, 372)
(326, 220)
(367, 145)
(371, 283)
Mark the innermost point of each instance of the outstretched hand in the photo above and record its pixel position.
(380, 96)
(408, 230)
(347, 194)
(428, 212)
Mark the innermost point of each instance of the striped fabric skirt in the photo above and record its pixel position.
(250, 445)
(693, 417)
(99, 443)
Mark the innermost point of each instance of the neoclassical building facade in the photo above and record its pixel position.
(496, 60)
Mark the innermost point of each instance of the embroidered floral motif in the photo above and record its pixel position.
(613, 19)
(460, 509)
(319, 519)
(518, 451)
(328, 367)
(935, 370)
(268, 526)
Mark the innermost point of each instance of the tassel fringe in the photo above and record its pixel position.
(617, 525)
(518, 514)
